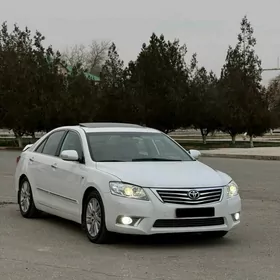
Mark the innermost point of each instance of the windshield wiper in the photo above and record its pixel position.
(155, 159)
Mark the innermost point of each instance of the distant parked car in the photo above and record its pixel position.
(123, 178)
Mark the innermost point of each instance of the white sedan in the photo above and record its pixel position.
(122, 178)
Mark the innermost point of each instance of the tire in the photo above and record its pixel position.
(26, 203)
(94, 219)
(215, 234)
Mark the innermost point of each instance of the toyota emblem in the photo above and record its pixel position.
(194, 195)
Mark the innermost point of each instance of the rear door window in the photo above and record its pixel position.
(53, 142)
(40, 148)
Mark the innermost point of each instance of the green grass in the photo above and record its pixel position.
(225, 144)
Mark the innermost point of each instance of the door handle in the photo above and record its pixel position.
(54, 165)
(31, 159)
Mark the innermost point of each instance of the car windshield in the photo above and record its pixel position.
(133, 147)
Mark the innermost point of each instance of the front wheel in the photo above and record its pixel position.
(94, 219)
(26, 202)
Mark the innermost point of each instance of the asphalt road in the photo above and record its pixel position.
(52, 248)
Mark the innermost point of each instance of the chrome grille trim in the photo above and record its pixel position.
(180, 196)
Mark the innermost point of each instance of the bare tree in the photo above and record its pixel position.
(96, 56)
(75, 55)
(90, 58)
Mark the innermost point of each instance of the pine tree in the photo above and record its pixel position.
(112, 101)
(242, 98)
(158, 80)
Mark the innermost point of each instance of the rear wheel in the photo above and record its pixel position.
(215, 234)
(94, 219)
(26, 202)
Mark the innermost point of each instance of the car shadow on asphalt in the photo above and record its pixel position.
(141, 242)
(171, 240)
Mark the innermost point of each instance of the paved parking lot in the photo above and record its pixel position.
(52, 248)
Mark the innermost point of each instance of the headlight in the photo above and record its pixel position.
(127, 190)
(232, 189)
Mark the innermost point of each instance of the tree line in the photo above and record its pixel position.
(158, 89)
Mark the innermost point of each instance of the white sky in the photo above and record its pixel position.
(208, 27)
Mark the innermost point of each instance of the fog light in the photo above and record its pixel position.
(236, 216)
(126, 220)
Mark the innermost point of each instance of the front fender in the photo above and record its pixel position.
(224, 177)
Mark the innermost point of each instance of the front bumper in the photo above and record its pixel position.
(149, 212)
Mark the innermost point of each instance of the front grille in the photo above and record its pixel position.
(189, 222)
(183, 196)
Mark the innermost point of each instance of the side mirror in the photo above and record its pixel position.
(195, 154)
(69, 155)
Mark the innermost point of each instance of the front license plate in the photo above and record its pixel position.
(195, 212)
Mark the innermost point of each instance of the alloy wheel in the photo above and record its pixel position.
(93, 217)
(25, 197)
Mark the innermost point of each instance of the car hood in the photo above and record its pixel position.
(189, 174)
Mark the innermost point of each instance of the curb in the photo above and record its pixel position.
(254, 157)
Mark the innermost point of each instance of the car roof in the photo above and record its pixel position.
(108, 124)
(111, 127)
